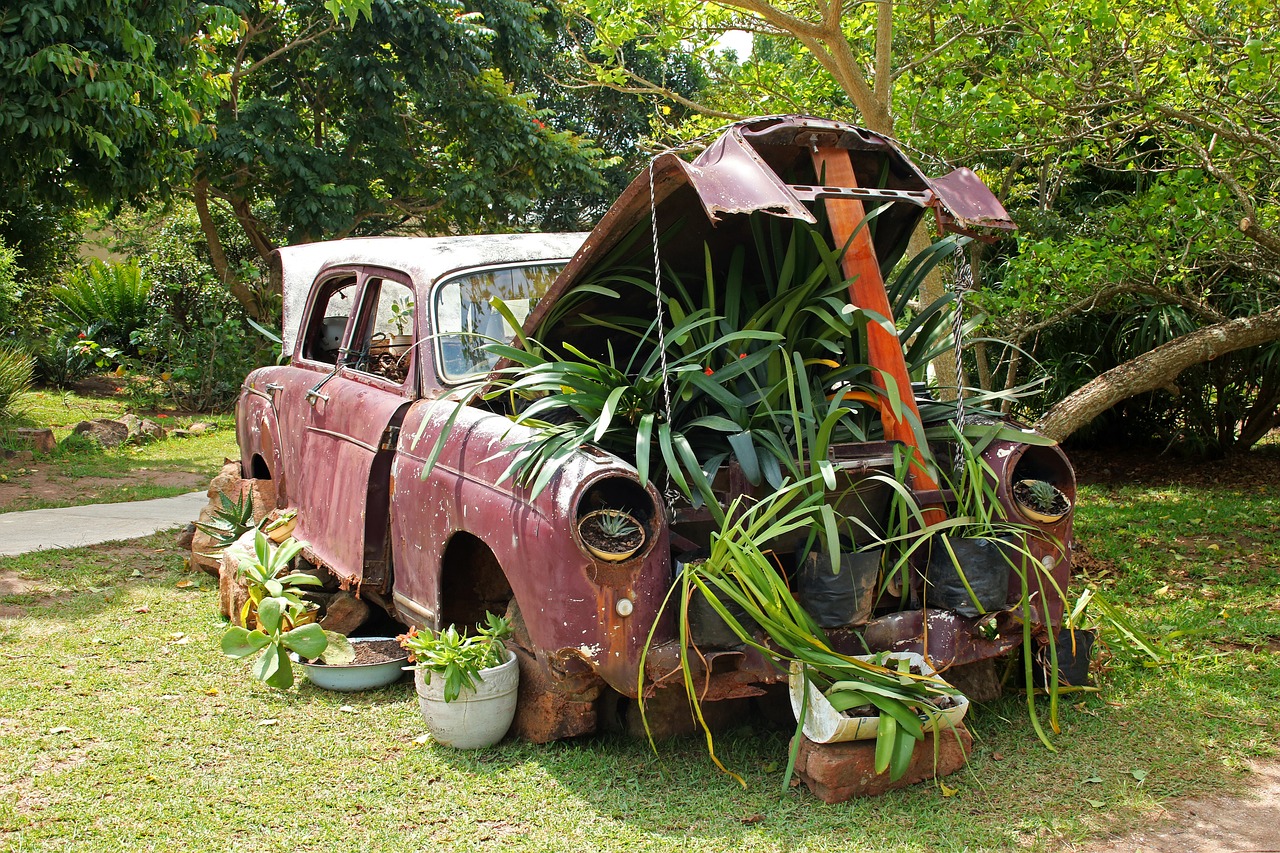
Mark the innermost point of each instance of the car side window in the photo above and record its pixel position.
(465, 319)
(385, 344)
(332, 309)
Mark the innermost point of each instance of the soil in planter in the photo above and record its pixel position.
(381, 651)
(597, 538)
(1022, 494)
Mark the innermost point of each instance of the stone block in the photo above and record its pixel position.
(344, 613)
(39, 440)
(106, 432)
(836, 772)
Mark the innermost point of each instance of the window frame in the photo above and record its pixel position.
(437, 349)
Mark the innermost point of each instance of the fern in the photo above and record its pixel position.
(111, 298)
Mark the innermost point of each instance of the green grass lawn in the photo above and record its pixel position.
(123, 727)
(79, 472)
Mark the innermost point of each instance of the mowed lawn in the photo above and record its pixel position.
(122, 727)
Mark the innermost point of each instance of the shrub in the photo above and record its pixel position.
(10, 291)
(198, 345)
(15, 378)
(112, 297)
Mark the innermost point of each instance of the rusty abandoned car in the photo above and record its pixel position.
(441, 482)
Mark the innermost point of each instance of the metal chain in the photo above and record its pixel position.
(660, 317)
(963, 285)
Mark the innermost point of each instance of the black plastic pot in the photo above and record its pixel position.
(1073, 663)
(709, 631)
(836, 599)
(985, 564)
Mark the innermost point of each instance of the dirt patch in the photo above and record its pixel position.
(11, 583)
(42, 486)
(1216, 824)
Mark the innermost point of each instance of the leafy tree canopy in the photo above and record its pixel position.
(407, 118)
(98, 96)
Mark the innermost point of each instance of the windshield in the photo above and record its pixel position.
(465, 321)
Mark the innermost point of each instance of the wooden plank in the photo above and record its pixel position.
(867, 290)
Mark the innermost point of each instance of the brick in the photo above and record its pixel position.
(836, 772)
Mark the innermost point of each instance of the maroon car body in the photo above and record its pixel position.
(377, 336)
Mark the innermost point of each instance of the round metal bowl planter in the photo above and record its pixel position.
(360, 676)
(477, 718)
(824, 724)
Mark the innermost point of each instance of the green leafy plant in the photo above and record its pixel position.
(230, 521)
(282, 621)
(740, 575)
(266, 573)
(456, 656)
(15, 378)
(975, 512)
(112, 297)
(402, 315)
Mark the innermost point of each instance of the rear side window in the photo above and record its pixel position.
(334, 306)
(465, 320)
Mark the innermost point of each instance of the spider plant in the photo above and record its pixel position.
(738, 571)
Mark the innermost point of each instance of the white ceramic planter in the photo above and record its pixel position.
(824, 724)
(476, 718)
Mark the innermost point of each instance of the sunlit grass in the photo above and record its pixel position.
(138, 467)
(124, 728)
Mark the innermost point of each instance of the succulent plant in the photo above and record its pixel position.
(230, 521)
(616, 525)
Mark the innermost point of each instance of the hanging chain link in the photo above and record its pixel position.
(660, 318)
(963, 285)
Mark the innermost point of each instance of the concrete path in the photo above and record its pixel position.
(71, 527)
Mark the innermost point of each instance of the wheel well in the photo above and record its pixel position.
(258, 469)
(472, 583)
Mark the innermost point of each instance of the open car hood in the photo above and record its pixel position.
(764, 165)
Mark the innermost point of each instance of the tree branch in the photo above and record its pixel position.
(1156, 369)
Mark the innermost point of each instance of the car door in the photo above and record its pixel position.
(342, 413)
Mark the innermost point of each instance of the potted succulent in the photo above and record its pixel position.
(466, 684)
(402, 319)
(611, 534)
(279, 524)
(1040, 500)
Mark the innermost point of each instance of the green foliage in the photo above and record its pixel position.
(230, 521)
(107, 301)
(99, 95)
(740, 571)
(404, 114)
(15, 378)
(11, 294)
(283, 622)
(763, 356)
(456, 656)
(266, 575)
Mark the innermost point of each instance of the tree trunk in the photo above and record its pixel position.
(217, 255)
(1156, 369)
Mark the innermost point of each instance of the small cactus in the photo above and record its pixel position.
(1043, 494)
(230, 521)
(616, 525)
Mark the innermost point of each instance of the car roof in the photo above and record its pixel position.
(424, 259)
